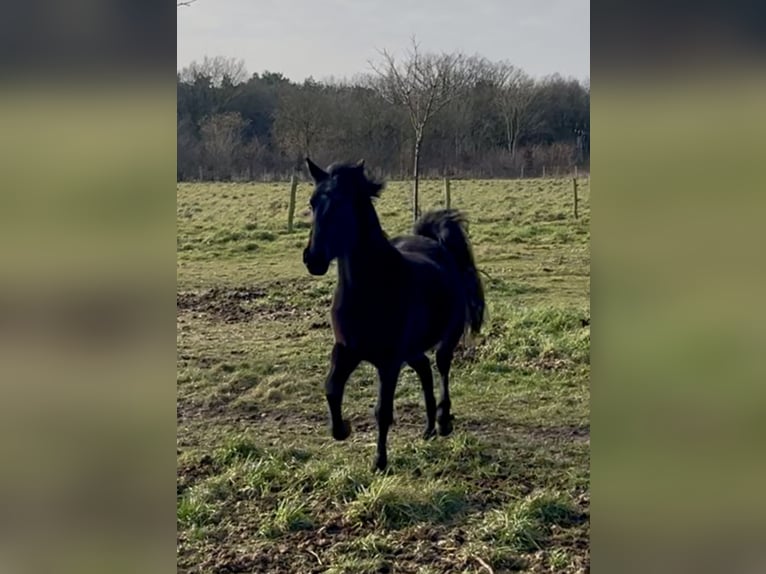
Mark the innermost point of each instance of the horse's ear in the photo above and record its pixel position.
(317, 172)
(360, 164)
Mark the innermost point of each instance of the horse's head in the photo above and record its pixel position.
(337, 204)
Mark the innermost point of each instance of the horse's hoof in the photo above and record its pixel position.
(445, 426)
(343, 432)
(381, 462)
(429, 433)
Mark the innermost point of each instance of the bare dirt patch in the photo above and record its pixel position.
(228, 305)
(191, 472)
(240, 305)
(536, 432)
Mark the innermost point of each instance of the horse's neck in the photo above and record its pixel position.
(370, 262)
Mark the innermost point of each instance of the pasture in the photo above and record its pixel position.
(261, 484)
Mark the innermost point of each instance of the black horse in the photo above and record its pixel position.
(395, 299)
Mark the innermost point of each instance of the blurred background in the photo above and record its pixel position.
(87, 105)
(678, 277)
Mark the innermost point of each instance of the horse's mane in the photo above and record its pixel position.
(353, 176)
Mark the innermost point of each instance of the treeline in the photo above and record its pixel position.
(233, 126)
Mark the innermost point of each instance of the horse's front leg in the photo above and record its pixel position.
(343, 361)
(384, 409)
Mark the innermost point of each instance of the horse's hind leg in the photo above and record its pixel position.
(422, 366)
(342, 364)
(443, 362)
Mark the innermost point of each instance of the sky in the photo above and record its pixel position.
(339, 38)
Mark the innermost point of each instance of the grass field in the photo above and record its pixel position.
(261, 485)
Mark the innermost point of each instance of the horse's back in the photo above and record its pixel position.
(428, 261)
(435, 289)
(419, 249)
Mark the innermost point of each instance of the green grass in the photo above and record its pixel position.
(261, 484)
(524, 525)
(395, 501)
(290, 515)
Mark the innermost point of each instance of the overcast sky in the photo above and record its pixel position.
(323, 38)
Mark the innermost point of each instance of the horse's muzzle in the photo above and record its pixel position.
(315, 265)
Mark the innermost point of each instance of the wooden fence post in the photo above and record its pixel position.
(543, 172)
(447, 196)
(574, 186)
(291, 207)
(522, 171)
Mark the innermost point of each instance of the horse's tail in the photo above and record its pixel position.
(448, 227)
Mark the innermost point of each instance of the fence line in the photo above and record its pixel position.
(273, 177)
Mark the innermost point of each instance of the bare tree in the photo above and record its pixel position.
(423, 84)
(222, 142)
(300, 120)
(515, 94)
(188, 149)
(219, 71)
